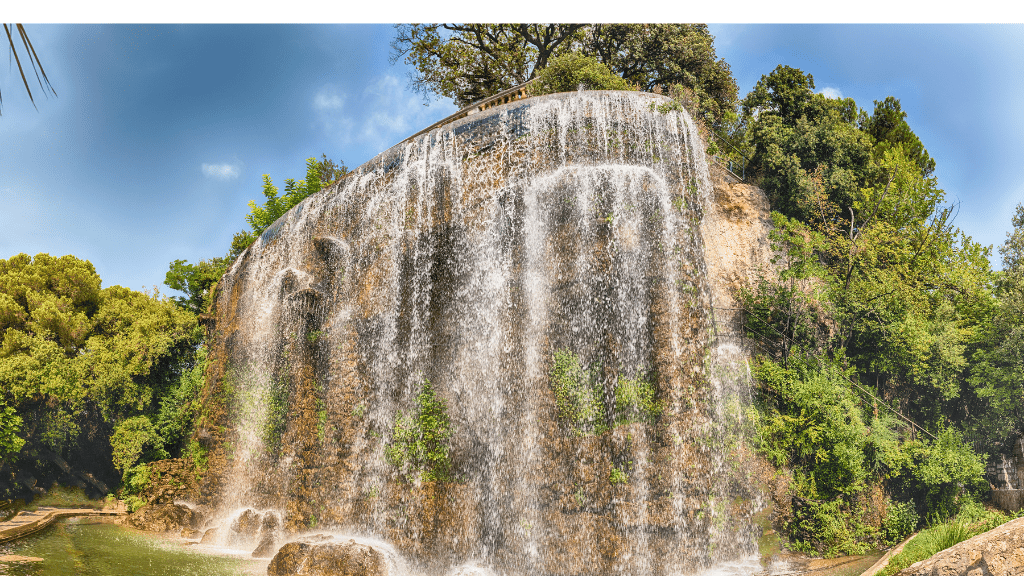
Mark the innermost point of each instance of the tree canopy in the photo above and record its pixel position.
(70, 345)
(468, 62)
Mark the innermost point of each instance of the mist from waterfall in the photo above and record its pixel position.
(463, 260)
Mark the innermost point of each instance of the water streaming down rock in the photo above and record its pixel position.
(461, 262)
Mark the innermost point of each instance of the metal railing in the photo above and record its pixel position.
(728, 162)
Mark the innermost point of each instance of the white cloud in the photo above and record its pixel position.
(328, 98)
(830, 92)
(221, 171)
(383, 114)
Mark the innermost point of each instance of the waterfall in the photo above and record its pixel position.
(538, 270)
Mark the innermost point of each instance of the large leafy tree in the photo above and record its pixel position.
(468, 62)
(71, 347)
(803, 143)
(997, 367)
(874, 279)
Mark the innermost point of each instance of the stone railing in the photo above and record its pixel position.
(504, 97)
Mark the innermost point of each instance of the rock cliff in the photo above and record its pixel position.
(498, 344)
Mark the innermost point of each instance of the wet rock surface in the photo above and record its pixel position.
(467, 261)
(312, 558)
(998, 552)
(163, 518)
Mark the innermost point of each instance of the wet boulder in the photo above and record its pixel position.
(247, 523)
(163, 518)
(307, 558)
(266, 547)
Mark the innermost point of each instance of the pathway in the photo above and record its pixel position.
(26, 522)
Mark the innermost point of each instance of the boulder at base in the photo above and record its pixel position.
(998, 552)
(163, 518)
(308, 558)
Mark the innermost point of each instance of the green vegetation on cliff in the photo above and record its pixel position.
(882, 334)
(419, 445)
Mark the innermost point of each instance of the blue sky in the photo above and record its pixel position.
(160, 134)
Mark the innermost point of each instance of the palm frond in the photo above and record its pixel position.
(33, 60)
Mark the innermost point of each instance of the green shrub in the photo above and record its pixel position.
(134, 439)
(277, 415)
(948, 471)
(570, 72)
(180, 408)
(617, 476)
(419, 442)
(10, 425)
(900, 521)
(199, 456)
(578, 394)
(136, 479)
(133, 503)
(931, 541)
(635, 401)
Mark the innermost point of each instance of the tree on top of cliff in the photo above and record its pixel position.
(319, 174)
(468, 62)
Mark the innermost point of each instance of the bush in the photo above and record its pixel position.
(419, 442)
(900, 521)
(179, 409)
(635, 401)
(134, 439)
(574, 71)
(10, 425)
(578, 394)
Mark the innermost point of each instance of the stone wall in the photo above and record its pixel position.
(998, 552)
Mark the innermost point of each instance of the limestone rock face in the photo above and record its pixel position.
(998, 552)
(582, 224)
(163, 518)
(328, 559)
(737, 250)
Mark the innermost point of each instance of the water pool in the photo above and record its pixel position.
(91, 547)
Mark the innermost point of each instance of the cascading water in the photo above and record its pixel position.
(538, 272)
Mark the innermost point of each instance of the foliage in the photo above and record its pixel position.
(900, 521)
(69, 345)
(635, 400)
(33, 60)
(420, 442)
(972, 520)
(944, 469)
(997, 362)
(810, 421)
(196, 281)
(617, 476)
(199, 456)
(10, 425)
(572, 71)
(180, 407)
(319, 173)
(804, 146)
(578, 394)
(469, 62)
(134, 439)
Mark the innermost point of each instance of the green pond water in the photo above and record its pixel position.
(86, 547)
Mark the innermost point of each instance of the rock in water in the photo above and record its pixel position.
(247, 523)
(998, 552)
(163, 518)
(265, 548)
(328, 559)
